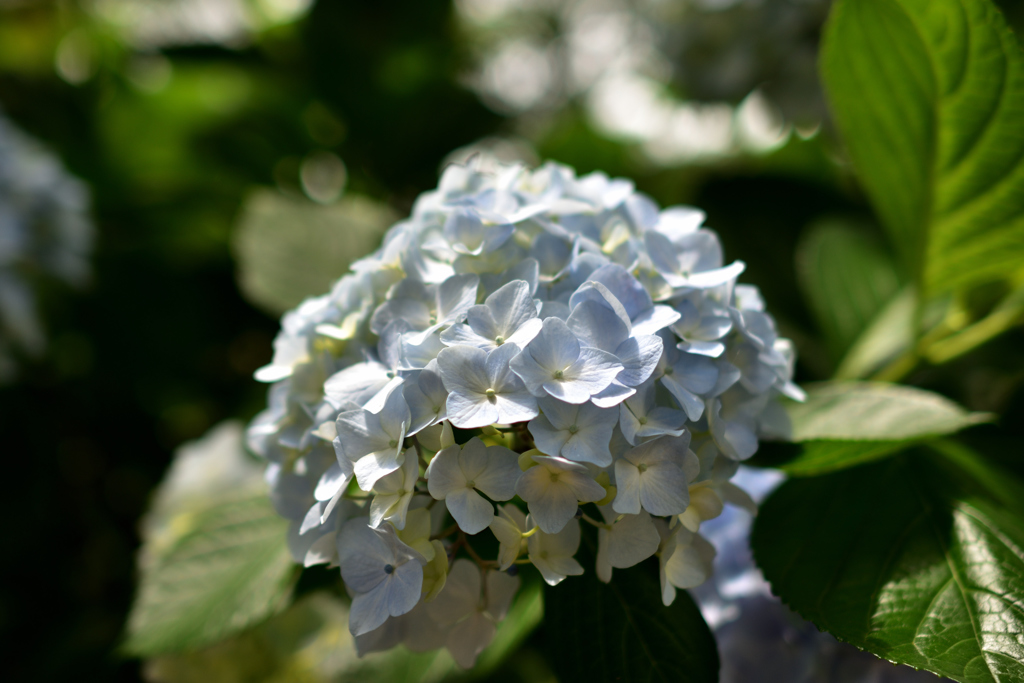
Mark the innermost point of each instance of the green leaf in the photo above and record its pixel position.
(310, 642)
(874, 411)
(929, 96)
(622, 632)
(289, 249)
(846, 279)
(916, 559)
(843, 424)
(888, 335)
(229, 571)
(812, 458)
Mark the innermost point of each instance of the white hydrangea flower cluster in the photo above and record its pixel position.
(527, 342)
(44, 229)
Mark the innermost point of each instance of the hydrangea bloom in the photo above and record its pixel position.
(529, 338)
(44, 228)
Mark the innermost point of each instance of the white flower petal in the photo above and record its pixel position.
(444, 474)
(471, 510)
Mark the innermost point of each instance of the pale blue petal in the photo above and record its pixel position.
(455, 296)
(654, 319)
(555, 508)
(639, 357)
(470, 510)
(612, 395)
(464, 370)
(597, 325)
(469, 411)
(626, 289)
(546, 437)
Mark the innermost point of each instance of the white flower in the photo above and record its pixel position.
(427, 398)
(482, 388)
(393, 493)
(629, 541)
(555, 364)
(575, 432)
(656, 475)
(702, 325)
(640, 416)
(471, 232)
(554, 488)
(456, 474)
(468, 616)
(552, 554)
(333, 481)
(731, 421)
(508, 527)
(368, 384)
(692, 260)
(374, 442)
(685, 560)
(427, 307)
(600, 320)
(508, 316)
(708, 498)
(385, 574)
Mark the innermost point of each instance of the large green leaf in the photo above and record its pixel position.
(919, 559)
(889, 334)
(289, 248)
(874, 411)
(310, 642)
(842, 424)
(230, 570)
(929, 97)
(846, 279)
(621, 632)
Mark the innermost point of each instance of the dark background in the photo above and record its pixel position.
(162, 345)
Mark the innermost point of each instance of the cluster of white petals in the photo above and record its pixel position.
(525, 344)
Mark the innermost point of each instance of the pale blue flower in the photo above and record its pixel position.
(384, 574)
(575, 432)
(368, 384)
(552, 553)
(427, 398)
(374, 442)
(473, 232)
(692, 260)
(692, 378)
(457, 473)
(640, 417)
(509, 315)
(627, 540)
(427, 308)
(482, 388)
(656, 476)
(556, 364)
(553, 488)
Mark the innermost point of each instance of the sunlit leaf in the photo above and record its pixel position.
(919, 559)
(214, 559)
(874, 411)
(929, 96)
(289, 248)
(842, 424)
(889, 334)
(231, 570)
(310, 642)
